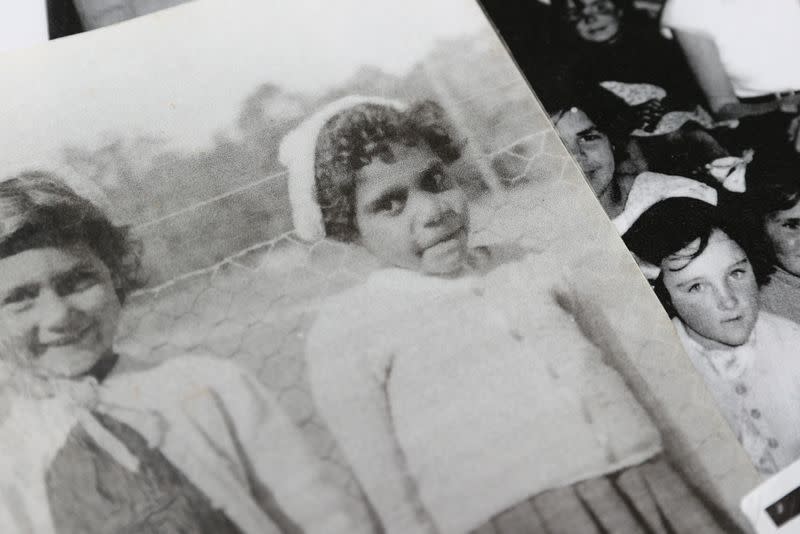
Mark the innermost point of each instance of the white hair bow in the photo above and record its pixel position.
(730, 171)
(648, 189)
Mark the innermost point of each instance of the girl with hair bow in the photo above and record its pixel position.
(706, 263)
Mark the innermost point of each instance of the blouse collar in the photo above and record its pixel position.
(728, 363)
(36, 401)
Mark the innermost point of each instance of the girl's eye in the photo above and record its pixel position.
(391, 206)
(591, 138)
(20, 299)
(792, 224)
(738, 274)
(77, 282)
(695, 288)
(436, 182)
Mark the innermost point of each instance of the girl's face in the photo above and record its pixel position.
(59, 304)
(590, 147)
(715, 293)
(411, 213)
(596, 21)
(783, 231)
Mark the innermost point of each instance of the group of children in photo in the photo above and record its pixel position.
(686, 128)
(460, 383)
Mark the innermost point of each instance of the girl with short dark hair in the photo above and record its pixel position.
(91, 443)
(706, 266)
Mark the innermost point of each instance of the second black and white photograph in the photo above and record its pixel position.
(683, 116)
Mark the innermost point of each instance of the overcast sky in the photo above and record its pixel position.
(183, 73)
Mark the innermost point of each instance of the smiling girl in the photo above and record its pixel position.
(594, 152)
(596, 130)
(460, 384)
(89, 444)
(706, 269)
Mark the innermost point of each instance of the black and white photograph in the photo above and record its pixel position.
(70, 17)
(683, 115)
(328, 267)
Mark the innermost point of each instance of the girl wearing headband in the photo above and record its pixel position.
(706, 268)
(462, 387)
(89, 444)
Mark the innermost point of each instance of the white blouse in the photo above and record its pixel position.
(758, 40)
(757, 387)
(203, 414)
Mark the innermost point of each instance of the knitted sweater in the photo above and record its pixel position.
(454, 399)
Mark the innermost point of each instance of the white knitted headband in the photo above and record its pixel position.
(297, 153)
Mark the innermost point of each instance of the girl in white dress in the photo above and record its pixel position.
(706, 268)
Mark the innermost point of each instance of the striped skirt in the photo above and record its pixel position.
(650, 498)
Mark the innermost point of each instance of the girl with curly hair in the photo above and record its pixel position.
(90, 443)
(462, 385)
(706, 265)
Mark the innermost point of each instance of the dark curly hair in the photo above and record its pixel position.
(38, 210)
(352, 138)
(672, 224)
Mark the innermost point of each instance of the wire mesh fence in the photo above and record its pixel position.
(255, 307)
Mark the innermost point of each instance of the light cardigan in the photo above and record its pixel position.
(454, 399)
(209, 418)
(757, 388)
